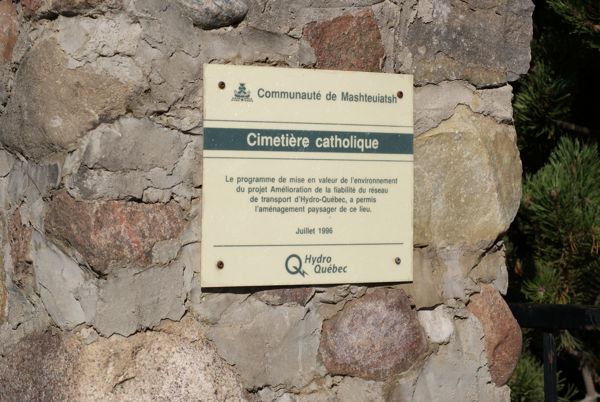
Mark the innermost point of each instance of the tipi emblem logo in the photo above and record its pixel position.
(241, 94)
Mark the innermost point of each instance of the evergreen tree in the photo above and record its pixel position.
(554, 245)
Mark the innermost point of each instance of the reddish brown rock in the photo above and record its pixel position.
(19, 238)
(502, 333)
(109, 233)
(350, 42)
(30, 6)
(9, 29)
(373, 337)
(276, 297)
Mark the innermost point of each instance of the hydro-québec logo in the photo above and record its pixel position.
(320, 264)
(241, 94)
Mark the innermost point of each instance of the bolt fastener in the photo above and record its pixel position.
(221, 85)
(397, 260)
(220, 264)
(400, 94)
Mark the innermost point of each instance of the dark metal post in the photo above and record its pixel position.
(550, 385)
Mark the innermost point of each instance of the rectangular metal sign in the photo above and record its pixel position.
(307, 177)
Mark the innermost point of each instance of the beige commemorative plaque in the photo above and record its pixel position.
(307, 177)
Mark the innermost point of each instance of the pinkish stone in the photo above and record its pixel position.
(112, 232)
(373, 337)
(350, 42)
(9, 29)
(503, 339)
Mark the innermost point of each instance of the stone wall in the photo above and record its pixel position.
(101, 187)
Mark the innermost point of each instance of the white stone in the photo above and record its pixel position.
(437, 324)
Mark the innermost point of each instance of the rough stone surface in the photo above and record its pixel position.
(20, 240)
(353, 389)
(485, 43)
(6, 163)
(3, 293)
(25, 315)
(9, 30)
(503, 339)
(470, 175)
(136, 159)
(294, 295)
(349, 42)
(37, 125)
(211, 14)
(373, 337)
(130, 301)
(65, 289)
(402, 389)
(50, 8)
(436, 103)
(101, 193)
(455, 372)
(426, 290)
(284, 339)
(94, 228)
(31, 181)
(175, 363)
(132, 144)
(492, 269)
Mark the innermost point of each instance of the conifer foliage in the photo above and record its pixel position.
(554, 244)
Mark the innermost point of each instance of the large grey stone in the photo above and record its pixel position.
(436, 102)
(31, 181)
(130, 300)
(38, 125)
(119, 304)
(3, 292)
(132, 144)
(268, 345)
(426, 289)
(469, 176)
(209, 307)
(67, 291)
(211, 14)
(278, 49)
(174, 363)
(458, 371)
(50, 8)
(485, 43)
(6, 163)
(352, 389)
(135, 159)
(85, 40)
(24, 312)
(492, 269)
